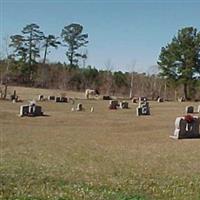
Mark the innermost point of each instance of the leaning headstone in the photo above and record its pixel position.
(186, 127)
(92, 109)
(113, 104)
(79, 107)
(189, 109)
(143, 108)
(123, 105)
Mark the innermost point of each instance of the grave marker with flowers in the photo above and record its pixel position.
(186, 127)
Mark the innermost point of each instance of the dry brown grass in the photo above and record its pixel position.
(101, 155)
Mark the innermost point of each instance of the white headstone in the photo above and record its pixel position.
(198, 109)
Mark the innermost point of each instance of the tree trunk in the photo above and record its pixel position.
(5, 91)
(131, 88)
(185, 91)
(45, 54)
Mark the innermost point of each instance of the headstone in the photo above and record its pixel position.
(143, 108)
(160, 100)
(113, 104)
(58, 99)
(61, 99)
(40, 97)
(107, 98)
(181, 99)
(189, 109)
(92, 109)
(72, 109)
(123, 105)
(30, 110)
(134, 100)
(24, 110)
(186, 127)
(79, 107)
(198, 109)
(51, 98)
(141, 99)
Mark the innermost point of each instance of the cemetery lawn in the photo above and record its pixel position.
(104, 155)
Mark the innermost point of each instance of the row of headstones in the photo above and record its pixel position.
(185, 127)
(142, 109)
(114, 104)
(58, 99)
(135, 100)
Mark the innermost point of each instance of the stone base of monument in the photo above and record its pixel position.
(30, 110)
(186, 127)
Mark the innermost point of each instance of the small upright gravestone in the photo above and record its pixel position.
(40, 97)
(160, 100)
(123, 105)
(134, 100)
(143, 108)
(186, 127)
(113, 104)
(30, 110)
(181, 99)
(79, 107)
(189, 109)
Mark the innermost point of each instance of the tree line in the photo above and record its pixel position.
(179, 65)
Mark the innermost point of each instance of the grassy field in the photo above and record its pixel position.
(104, 155)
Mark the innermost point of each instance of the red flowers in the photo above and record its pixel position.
(189, 118)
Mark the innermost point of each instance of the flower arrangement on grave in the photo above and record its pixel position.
(189, 118)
